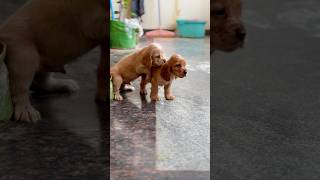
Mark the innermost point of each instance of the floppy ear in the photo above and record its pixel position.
(175, 56)
(147, 57)
(166, 71)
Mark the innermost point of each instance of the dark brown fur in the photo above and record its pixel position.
(227, 30)
(42, 37)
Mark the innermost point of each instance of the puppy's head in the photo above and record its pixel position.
(176, 66)
(227, 30)
(153, 56)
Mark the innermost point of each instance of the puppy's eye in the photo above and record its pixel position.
(178, 65)
(219, 12)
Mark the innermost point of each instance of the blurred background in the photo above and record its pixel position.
(71, 140)
(266, 100)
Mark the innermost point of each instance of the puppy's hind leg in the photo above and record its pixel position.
(44, 81)
(22, 61)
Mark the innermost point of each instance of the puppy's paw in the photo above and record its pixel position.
(143, 92)
(128, 87)
(155, 98)
(170, 97)
(61, 85)
(67, 85)
(26, 113)
(118, 97)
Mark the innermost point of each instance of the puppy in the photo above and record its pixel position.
(134, 65)
(163, 76)
(227, 30)
(42, 37)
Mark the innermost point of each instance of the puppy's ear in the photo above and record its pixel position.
(147, 56)
(175, 56)
(166, 72)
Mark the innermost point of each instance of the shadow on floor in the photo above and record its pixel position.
(71, 140)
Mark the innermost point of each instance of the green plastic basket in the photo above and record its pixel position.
(121, 36)
(6, 108)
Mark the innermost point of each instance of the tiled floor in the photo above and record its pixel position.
(71, 140)
(167, 139)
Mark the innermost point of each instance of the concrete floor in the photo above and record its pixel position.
(265, 103)
(167, 139)
(71, 140)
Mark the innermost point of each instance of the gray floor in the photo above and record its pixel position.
(265, 103)
(167, 139)
(183, 125)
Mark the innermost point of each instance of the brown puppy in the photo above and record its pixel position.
(164, 75)
(42, 37)
(134, 65)
(227, 30)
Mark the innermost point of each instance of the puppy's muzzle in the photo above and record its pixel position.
(241, 33)
(185, 72)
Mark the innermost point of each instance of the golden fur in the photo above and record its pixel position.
(42, 37)
(163, 76)
(135, 65)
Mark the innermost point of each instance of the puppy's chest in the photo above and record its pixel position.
(140, 69)
(162, 82)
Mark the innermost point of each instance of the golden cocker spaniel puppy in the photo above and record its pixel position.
(163, 76)
(42, 37)
(135, 65)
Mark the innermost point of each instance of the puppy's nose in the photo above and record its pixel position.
(241, 33)
(185, 72)
(164, 61)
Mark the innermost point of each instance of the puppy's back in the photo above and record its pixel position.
(58, 28)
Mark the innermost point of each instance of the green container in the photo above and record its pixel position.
(6, 108)
(121, 36)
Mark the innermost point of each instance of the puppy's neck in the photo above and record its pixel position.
(166, 73)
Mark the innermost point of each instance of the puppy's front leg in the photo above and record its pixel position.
(154, 91)
(143, 83)
(167, 92)
(117, 82)
(102, 89)
(22, 61)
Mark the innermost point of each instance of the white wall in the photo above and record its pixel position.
(173, 9)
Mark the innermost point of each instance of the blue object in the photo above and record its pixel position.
(190, 28)
(112, 12)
